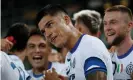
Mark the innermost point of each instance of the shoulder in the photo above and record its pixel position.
(92, 42)
(30, 72)
(94, 64)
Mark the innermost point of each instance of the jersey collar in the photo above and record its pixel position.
(76, 45)
(40, 75)
(127, 53)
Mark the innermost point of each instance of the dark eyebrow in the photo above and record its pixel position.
(30, 43)
(113, 20)
(48, 22)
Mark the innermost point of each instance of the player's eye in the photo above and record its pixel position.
(43, 31)
(113, 22)
(42, 46)
(49, 24)
(31, 46)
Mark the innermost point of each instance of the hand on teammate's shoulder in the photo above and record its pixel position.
(6, 45)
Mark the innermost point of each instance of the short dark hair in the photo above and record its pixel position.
(49, 10)
(122, 9)
(20, 32)
(36, 31)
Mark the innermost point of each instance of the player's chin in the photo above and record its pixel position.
(109, 40)
(38, 65)
(59, 45)
(110, 43)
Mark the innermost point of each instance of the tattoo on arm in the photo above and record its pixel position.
(98, 75)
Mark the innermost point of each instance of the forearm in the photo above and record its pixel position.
(132, 76)
(98, 75)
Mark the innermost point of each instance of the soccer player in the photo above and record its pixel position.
(12, 65)
(86, 60)
(38, 51)
(88, 22)
(118, 23)
(7, 71)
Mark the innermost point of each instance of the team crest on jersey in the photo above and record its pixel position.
(129, 68)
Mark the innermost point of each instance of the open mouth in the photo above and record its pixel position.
(111, 33)
(37, 58)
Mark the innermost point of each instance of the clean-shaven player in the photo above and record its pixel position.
(88, 58)
(38, 51)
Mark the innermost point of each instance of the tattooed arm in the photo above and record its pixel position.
(98, 75)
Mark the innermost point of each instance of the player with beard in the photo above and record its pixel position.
(118, 23)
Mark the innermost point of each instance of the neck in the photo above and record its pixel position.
(73, 39)
(20, 54)
(124, 46)
(39, 70)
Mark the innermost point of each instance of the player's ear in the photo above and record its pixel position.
(79, 28)
(98, 34)
(67, 19)
(130, 25)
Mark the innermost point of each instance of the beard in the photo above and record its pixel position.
(117, 40)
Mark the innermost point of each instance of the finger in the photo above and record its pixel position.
(48, 73)
(8, 45)
(44, 72)
(54, 73)
(9, 42)
(61, 77)
(53, 70)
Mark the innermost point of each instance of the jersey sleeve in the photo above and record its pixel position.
(94, 64)
(10, 71)
(7, 72)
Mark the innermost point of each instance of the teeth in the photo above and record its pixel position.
(111, 33)
(37, 56)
